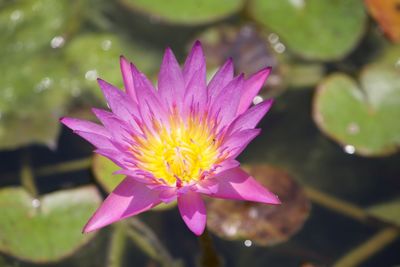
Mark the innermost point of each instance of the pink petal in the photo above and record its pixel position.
(99, 141)
(194, 74)
(128, 79)
(195, 98)
(250, 118)
(210, 185)
(237, 184)
(170, 80)
(195, 62)
(251, 88)
(84, 126)
(139, 175)
(150, 106)
(168, 194)
(120, 131)
(220, 79)
(120, 158)
(238, 141)
(224, 106)
(119, 103)
(193, 211)
(128, 198)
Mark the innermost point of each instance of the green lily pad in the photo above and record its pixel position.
(103, 170)
(97, 55)
(47, 229)
(189, 12)
(363, 117)
(33, 74)
(26, 26)
(313, 29)
(27, 84)
(387, 211)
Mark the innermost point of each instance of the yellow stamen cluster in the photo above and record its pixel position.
(181, 153)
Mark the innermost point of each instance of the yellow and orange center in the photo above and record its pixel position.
(180, 154)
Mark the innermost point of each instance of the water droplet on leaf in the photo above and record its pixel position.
(57, 42)
(349, 149)
(36, 203)
(353, 128)
(248, 243)
(91, 75)
(106, 45)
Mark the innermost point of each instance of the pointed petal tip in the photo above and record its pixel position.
(198, 231)
(229, 61)
(195, 228)
(193, 211)
(270, 198)
(123, 61)
(100, 81)
(168, 51)
(66, 121)
(277, 201)
(268, 103)
(197, 43)
(89, 227)
(264, 72)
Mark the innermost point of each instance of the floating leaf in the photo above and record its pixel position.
(97, 55)
(45, 229)
(27, 26)
(103, 170)
(387, 211)
(301, 75)
(261, 223)
(390, 56)
(387, 14)
(32, 75)
(364, 118)
(189, 12)
(26, 84)
(313, 29)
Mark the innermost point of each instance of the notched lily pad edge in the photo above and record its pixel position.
(85, 242)
(316, 115)
(299, 53)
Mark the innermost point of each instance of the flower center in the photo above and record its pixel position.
(181, 154)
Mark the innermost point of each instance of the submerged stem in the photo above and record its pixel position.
(209, 256)
(373, 245)
(117, 247)
(67, 166)
(148, 242)
(338, 205)
(26, 174)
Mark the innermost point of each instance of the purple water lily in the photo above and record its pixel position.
(179, 141)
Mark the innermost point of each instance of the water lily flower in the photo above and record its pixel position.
(178, 141)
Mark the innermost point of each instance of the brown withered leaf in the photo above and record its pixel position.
(263, 224)
(387, 15)
(248, 48)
